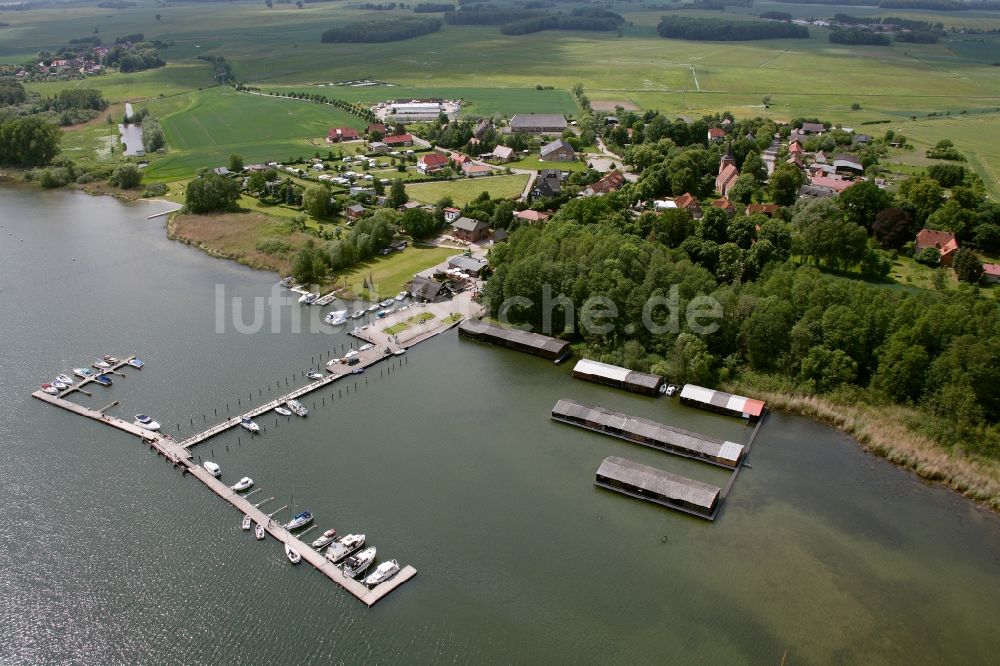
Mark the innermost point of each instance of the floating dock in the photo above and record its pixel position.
(649, 433)
(512, 338)
(723, 403)
(179, 454)
(613, 375)
(655, 485)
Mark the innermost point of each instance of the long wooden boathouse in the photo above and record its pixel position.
(613, 375)
(655, 485)
(512, 338)
(649, 433)
(721, 402)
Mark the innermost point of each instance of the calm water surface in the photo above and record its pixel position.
(449, 463)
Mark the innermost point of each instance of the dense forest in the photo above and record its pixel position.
(391, 30)
(521, 21)
(725, 30)
(859, 37)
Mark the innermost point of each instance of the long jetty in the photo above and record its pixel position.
(179, 454)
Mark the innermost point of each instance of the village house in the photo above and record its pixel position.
(768, 209)
(728, 173)
(611, 182)
(689, 203)
(469, 230)
(847, 164)
(725, 204)
(431, 163)
(398, 140)
(375, 128)
(538, 123)
(482, 127)
(451, 214)
(813, 128)
(354, 212)
(557, 151)
(424, 289)
(337, 134)
(476, 170)
(716, 134)
(549, 183)
(470, 265)
(378, 147)
(531, 216)
(991, 273)
(502, 154)
(833, 184)
(942, 241)
(795, 148)
(459, 159)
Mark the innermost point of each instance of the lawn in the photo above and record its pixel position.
(407, 323)
(391, 272)
(532, 162)
(464, 190)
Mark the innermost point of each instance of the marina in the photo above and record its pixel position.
(655, 485)
(613, 375)
(721, 402)
(512, 338)
(179, 455)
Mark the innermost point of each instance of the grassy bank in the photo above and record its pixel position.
(884, 431)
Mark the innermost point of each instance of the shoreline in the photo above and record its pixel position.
(883, 431)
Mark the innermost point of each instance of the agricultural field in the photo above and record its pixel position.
(464, 190)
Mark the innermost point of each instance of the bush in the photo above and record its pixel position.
(55, 177)
(126, 177)
(928, 256)
(274, 246)
(155, 190)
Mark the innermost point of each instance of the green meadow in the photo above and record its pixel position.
(464, 190)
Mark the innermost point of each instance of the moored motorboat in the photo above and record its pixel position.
(286, 281)
(297, 408)
(247, 423)
(399, 352)
(386, 303)
(336, 318)
(65, 379)
(356, 564)
(282, 411)
(300, 520)
(314, 375)
(671, 390)
(309, 298)
(365, 347)
(344, 547)
(62, 386)
(212, 468)
(357, 371)
(258, 531)
(373, 307)
(103, 380)
(401, 295)
(382, 573)
(83, 373)
(50, 389)
(246, 523)
(110, 359)
(136, 362)
(324, 540)
(101, 365)
(358, 315)
(292, 554)
(146, 422)
(243, 484)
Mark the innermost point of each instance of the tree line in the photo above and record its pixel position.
(725, 30)
(391, 30)
(432, 8)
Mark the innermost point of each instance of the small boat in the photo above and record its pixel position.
(297, 408)
(671, 390)
(110, 359)
(247, 423)
(282, 411)
(212, 468)
(373, 307)
(243, 484)
(401, 295)
(399, 352)
(314, 375)
(309, 298)
(350, 353)
(356, 564)
(386, 303)
(325, 540)
(365, 347)
(101, 365)
(300, 520)
(286, 281)
(83, 373)
(103, 380)
(50, 389)
(344, 547)
(292, 555)
(65, 379)
(258, 532)
(358, 315)
(62, 386)
(335, 318)
(246, 523)
(146, 422)
(357, 371)
(382, 573)
(137, 363)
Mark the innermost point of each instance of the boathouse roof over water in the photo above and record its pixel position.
(648, 432)
(613, 375)
(719, 401)
(541, 345)
(658, 485)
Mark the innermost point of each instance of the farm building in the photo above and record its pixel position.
(649, 433)
(613, 375)
(655, 485)
(416, 111)
(512, 338)
(354, 212)
(467, 229)
(538, 123)
(378, 147)
(337, 134)
(557, 151)
(502, 154)
(431, 162)
(476, 170)
(723, 403)
(398, 140)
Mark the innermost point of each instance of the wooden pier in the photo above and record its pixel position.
(179, 454)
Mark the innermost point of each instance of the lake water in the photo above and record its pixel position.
(450, 463)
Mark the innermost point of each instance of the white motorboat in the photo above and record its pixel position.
(83, 373)
(399, 352)
(292, 554)
(258, 532)
(382, 573)
(365, 347)
(282, 411)
(309, 298)
(146, 422)
(108, 358)
(336, 318)
(401, 295)
(386, 303)
(671, 390)
(65, 379)
(358, 315)
(324, 540)
(62, 386)
(212, 468)
(247, 423)
(373, 307)
(350, 353)
(243, 484)
(246, 523)
(356, 564)
(137, 363)
(297, 408)
(344, 547)
(314, 375)
(50, 389)
(101, 365)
